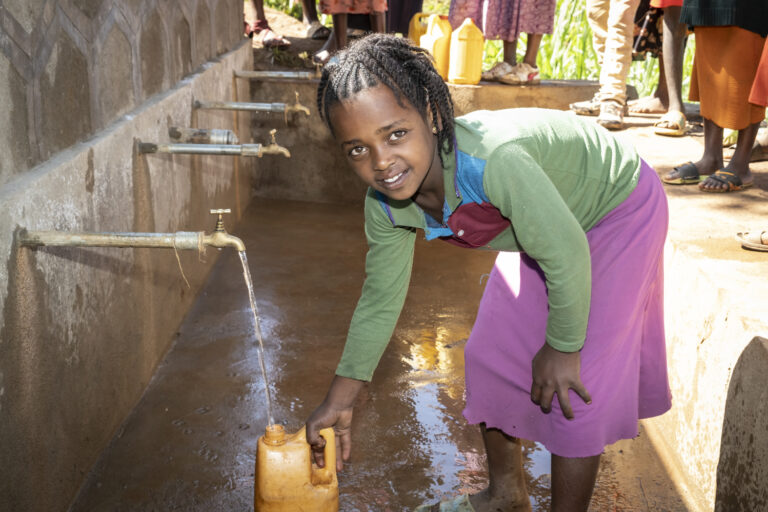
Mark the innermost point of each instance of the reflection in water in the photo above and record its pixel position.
(435, 368)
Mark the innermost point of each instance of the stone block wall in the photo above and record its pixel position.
(71, 67)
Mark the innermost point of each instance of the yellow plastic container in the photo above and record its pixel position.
(466, 62)
(286, 478)
(437, 40)
(418, 26)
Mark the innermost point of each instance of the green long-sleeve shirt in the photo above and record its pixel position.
(551, 174)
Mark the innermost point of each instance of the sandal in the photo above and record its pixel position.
(671, 124)
(685, 174)
(753, 241)
(317, 30)
(733, 182)
(458, 504)
(269, 39)
(498, 70)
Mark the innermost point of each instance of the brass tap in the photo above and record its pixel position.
(296, 107)
(220, 238)
(273, 148)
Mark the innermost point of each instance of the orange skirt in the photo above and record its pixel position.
(759, 94)
(724, 69)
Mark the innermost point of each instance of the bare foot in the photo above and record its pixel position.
(647, 105)
(483, 502)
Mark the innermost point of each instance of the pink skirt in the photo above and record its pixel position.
(623, 362)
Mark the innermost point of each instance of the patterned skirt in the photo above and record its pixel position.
(505, 19)
(623, 361)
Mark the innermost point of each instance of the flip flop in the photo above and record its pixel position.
(458, 504)
(753, 241)
(671, 124)
(726, 178)
(684, 174)
(317, 30)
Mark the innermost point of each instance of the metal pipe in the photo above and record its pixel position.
(278, 75)
(203, 149)
(181, 240)
(202, 136)
(240, 105)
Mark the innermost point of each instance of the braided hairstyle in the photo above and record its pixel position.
(398, 64)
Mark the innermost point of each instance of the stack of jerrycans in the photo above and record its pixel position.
(458, 53)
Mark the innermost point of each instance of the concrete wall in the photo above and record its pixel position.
(83, 330)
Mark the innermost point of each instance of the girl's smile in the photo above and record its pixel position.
(390, 147)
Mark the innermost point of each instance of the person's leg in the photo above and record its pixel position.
(739, 164)
(336, 41)
(532, 49)
(309, 11)
(710, 161)
(674, 49)
(506, 487)
(378, 22)
(658, 102)
(597, 18)
(573, 480)
(510, 52)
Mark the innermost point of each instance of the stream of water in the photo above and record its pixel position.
(257, 327)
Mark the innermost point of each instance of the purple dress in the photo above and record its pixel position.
(505, 19)
(623, 362)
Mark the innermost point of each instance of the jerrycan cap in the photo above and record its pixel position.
(274, 435)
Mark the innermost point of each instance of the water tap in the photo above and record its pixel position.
(296, 107)
(220, 238)
(273, 148)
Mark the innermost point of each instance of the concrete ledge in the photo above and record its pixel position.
(82, 329)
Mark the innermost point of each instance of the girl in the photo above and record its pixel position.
(577, 315)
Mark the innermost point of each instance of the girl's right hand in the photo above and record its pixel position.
(336, 412)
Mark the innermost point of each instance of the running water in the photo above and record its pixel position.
(257, 326)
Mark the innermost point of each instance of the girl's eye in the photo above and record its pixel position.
(397, 135)
(356, 151)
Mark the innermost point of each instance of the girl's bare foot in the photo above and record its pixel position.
(484, 502)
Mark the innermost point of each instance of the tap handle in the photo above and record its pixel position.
(220, 220)
(272, 133)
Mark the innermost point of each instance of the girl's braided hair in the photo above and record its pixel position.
(395, 62)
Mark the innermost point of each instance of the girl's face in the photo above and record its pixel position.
(391, 148)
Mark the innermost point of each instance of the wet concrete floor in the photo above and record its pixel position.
(190, 442)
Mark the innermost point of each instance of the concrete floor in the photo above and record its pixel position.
(189, 445)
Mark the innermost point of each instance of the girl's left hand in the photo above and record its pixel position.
(557, 372)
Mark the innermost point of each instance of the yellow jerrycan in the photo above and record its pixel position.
(437, 40)
(418, 26)
(466, 61)
(286, 479)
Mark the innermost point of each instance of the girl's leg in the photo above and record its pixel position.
(378, 22)
(506, 490)
(531, 49)
(573, 480)
(739, 164)
(510, 52)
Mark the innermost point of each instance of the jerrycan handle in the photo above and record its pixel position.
(324, 475)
